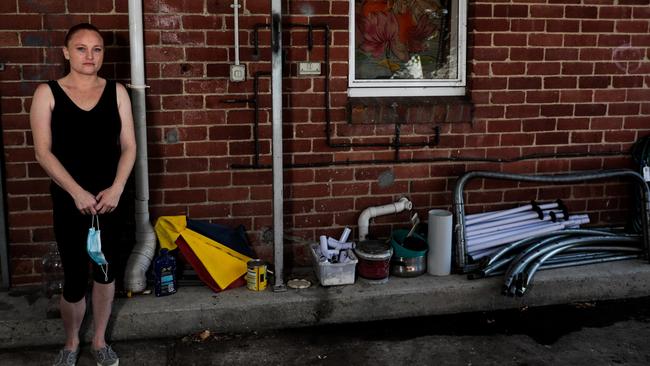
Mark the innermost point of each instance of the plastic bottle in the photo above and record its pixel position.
(52, 272)
(165, 274)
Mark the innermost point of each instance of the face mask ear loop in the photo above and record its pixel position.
(105, 272)
(92, 221)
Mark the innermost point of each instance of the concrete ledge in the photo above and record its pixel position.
(197, 308)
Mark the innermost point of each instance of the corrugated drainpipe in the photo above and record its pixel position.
(276, 98)
(145, 239)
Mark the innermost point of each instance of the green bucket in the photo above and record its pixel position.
(397, 238)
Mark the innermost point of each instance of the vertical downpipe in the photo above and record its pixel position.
(4, 243)
(135, 274)
(276, 90)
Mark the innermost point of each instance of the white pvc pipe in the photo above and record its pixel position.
(507, 239)
(325, 250)
(486, 230)
(370, 212)
(476, 218)
(345, 235)
(576, 220)
(477, 251)
(501, 233)
(507, 220)
(472, 219)
(439, 240)
(144, 248)
(235, 5)
(276, 98)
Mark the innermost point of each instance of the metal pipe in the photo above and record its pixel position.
(466, 159)
(142, 254)
(529, 272)
(553, 236)
(518, 266)
(461, 259)
(578, 254)
(548, 265)
(256, 116)
(603, 259)
(276, 97)
(551, 240)
(606, 248)
(395, 143)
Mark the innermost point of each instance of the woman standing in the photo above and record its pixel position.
(84, 139)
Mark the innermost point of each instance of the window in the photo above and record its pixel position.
(407, 47)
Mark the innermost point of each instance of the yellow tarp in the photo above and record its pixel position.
(224, 264)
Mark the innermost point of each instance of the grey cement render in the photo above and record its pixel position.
(193, 309)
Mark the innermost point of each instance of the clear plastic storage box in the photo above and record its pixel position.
(332, 274)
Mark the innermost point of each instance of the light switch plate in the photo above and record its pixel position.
(308, 68)
(237, 73)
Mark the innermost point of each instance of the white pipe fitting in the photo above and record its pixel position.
(325, 250)
(345, 235)
(370, 212)
(335, 244)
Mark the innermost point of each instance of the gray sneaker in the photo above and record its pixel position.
(105, 356)
(66, 358)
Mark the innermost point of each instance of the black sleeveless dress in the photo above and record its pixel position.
(87, 143)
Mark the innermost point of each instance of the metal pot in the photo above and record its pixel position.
(408, 266)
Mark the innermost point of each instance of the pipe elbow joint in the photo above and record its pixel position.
(404, 204)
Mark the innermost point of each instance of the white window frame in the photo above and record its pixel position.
(410, 88)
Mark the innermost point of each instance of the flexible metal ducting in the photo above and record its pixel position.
(145, 239)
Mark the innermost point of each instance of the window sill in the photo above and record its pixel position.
(412, 110)
(406, 92)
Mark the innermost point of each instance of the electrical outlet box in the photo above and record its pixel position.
(237, 73)
(308, 68)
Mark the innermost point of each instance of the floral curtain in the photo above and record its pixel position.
(401, 39)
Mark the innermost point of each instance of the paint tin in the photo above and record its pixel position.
(256, 275)
(374, 260)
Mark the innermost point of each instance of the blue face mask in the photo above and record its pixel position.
(94, 246)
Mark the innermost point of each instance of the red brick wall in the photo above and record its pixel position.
(546, 76)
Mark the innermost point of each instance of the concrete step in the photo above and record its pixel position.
(23, 320)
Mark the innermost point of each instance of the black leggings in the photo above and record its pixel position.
(71, 231)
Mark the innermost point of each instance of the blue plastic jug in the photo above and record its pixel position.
(165, 274)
